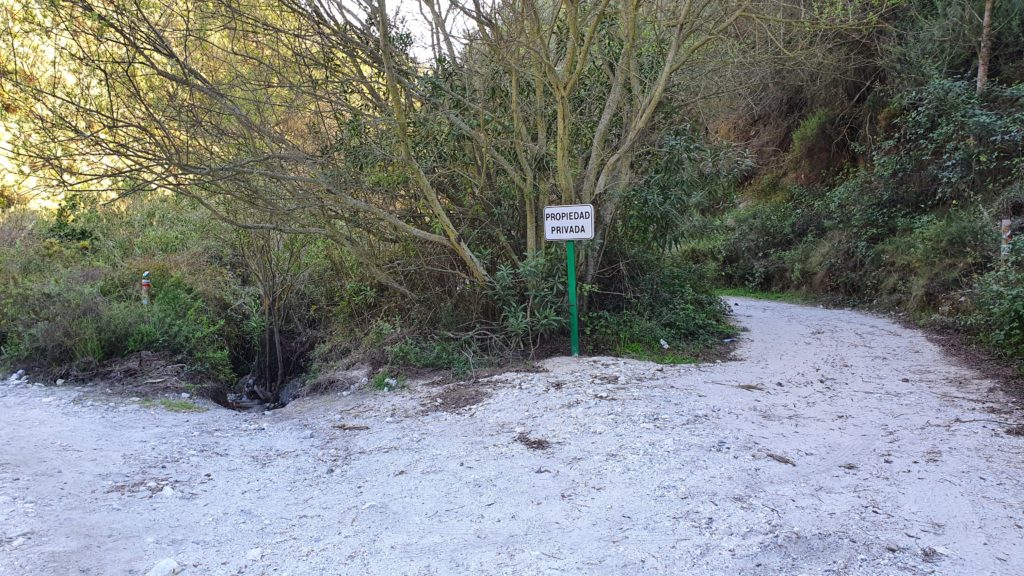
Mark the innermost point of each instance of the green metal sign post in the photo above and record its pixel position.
(574, 325)
(568, 224)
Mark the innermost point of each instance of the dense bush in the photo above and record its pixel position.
(669, 314)
(71, 293)
(950, 146)
(667, 246)
(939, 39)
(458, 356)
(998, 317)
(531, 299)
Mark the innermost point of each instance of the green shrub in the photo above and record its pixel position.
(998, 317)
(62, 305)
(457, 356)
(809, 133)
(939, 39)
(939, 256)
(672, 303)
(531, 299)
(817, 148)
(952, 146)
(761, 233)
(383, 380)
(667, 242)
(687, 181)
(910, 228)
(71, 324)
(75, 219)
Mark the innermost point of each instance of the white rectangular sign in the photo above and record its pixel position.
(574, 222)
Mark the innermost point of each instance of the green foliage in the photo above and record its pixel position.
(998, 316)
(74, 218)
(672, 304)
(937, 258)
(817, 148)
(950, 146)
(759, 237)
(180, 322)
(909, 230)
(380, 331)
(687, 182)
(384, 277)
(173, 405)
(937, 39)
(439, 353)
(639, 351)
(742, 292)
(384, 381)
(65, 306)
(531, 299)
(810, 132)
(665, 236)
(74, 322)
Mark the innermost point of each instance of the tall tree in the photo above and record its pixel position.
(985, 50)
(602, 68)
(189, 97)
(316, 118)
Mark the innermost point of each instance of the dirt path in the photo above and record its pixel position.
(839, 443)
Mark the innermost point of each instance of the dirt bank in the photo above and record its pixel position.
(838, 443)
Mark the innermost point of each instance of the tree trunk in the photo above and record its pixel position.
(562, 145)
(531, 224)
(985, 53)
(401, 126)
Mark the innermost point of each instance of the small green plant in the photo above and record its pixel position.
(384, 381)
(639, 351)
(173, 405)
(460, 357)
(531, 298)
(670, 316)
(380, 331)
(810, 132)
(744, 292)
(71, 219)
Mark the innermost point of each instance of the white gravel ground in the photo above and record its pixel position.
(838, 443)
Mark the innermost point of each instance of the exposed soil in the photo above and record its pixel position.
(455, 397)
(836, 443)
(138, 374)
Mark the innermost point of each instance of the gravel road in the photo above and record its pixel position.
(837, 443)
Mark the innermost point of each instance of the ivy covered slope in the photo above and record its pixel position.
(894, 195)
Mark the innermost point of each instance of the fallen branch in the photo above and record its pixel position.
(781, 458)
(989, 420)
(345, 426)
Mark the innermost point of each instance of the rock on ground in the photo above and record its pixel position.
(165, 567)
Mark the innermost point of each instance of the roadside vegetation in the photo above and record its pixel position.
(746, 292)
(892, 195)
(338, 198)
(172, 405)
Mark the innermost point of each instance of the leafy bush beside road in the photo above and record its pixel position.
(67, 304)
(998, 317)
